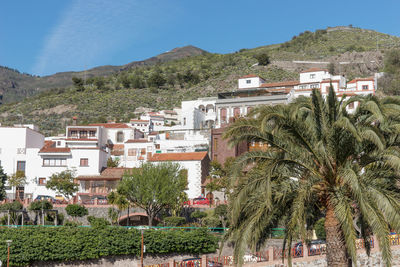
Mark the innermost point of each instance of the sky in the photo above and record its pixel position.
(43, 37)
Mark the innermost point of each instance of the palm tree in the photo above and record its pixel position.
(321, 160)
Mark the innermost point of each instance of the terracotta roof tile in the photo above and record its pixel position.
(111, 125)
(137, 141)
(279, 84)
(329, 81)
(106, 174)
(49, 147)
(362, 79)
(146, 121)
(178, 156)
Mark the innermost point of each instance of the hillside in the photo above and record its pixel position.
(165, 82)
(15, 85)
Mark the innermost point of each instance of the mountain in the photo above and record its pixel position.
(15, 85)
(187, 73)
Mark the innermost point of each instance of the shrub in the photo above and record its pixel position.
(39, 205)
(263, 59)
(198, 214)
(98, 222)
(174, 221)
(76, 210)
(81, 243)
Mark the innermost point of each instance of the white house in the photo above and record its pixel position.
(250, 81)
(198, 114)
(197, 165)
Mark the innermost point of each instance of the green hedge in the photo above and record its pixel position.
(32, 244)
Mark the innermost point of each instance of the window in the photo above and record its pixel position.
(58, 143)
(315, 85)
(248, 81)
(21, 166)
(184, 121)
(42, 181)
(365, 87)
(157, 146)
(351, 105)
(132, 152)
(74, 133)
(236, 112)
(83, 134)
(54, 162)
(120, 137)
(223, 114)
(84, 162)
(92, 133)
(312, 76)
(215, 145)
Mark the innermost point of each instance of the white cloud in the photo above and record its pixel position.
(92, 28)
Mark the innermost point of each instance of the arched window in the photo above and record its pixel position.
(120, 137)
(236, 112)
(223, 115)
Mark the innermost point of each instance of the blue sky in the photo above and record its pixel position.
(43, 37)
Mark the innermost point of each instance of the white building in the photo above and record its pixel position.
(197, 165)
(198, 114)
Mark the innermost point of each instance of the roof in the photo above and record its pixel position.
(330, 81)
(178, 156)
(362, 79)
(170, 112)
(153, 133)
(49, 147)
(250, 76)
(106, 174)
(313, 70)
(111, 125)
(137, 141)
(132, 120)
(280, 84)
(80, 139)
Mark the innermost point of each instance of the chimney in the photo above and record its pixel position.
(74, 119)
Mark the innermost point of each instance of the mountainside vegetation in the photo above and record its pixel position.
(164, 81)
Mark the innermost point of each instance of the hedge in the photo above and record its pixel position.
(30, 244)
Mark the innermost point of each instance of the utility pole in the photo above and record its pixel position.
(8, 252)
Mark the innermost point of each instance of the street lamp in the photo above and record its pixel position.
(8, 251)
(143, 247)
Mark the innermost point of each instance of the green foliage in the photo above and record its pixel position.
(198, 215)
(17, 179)
(210, 221)
(76, 210)
(63, 183)
(75, 243)
(331, 68)
(113, 214)
(72, 223)
(263, 59)
(392, 61)
(78, 84)
(12, 206)
(319, 228)
(174, 221)
(98, 222)
(153, 187)
(112, 163)
(3, 180)
(39, 205)
(321, 160)
(156, 79)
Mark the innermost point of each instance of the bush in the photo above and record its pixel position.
(39, 205)
(319, 228)
(79, 243)
(198, 214)
(72, 224)
(98, 222)
(263, 59)
(76, 210)
(174, 221)
(13, 206)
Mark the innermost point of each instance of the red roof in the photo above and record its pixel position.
(111, 125)
(106, 174)
(280, 84)
(49, 147)
(178, 156)
(137, 141)
(362, 79)
(250, 76)
(153, 133)
(132, 120)
(330, 81)
(313, 70)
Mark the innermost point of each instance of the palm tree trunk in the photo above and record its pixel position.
(336, 253)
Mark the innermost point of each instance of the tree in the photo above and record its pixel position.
(156, 79)
(263, 59)
(76, 210)
(153, 187)
(40, 206)
(219, 176)
(320, 161)
(112, 163)
(221, 212)
(16, 180)
(331, 68)
(78, 84)
(3, 181)
(63, 183)
(120, 201)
